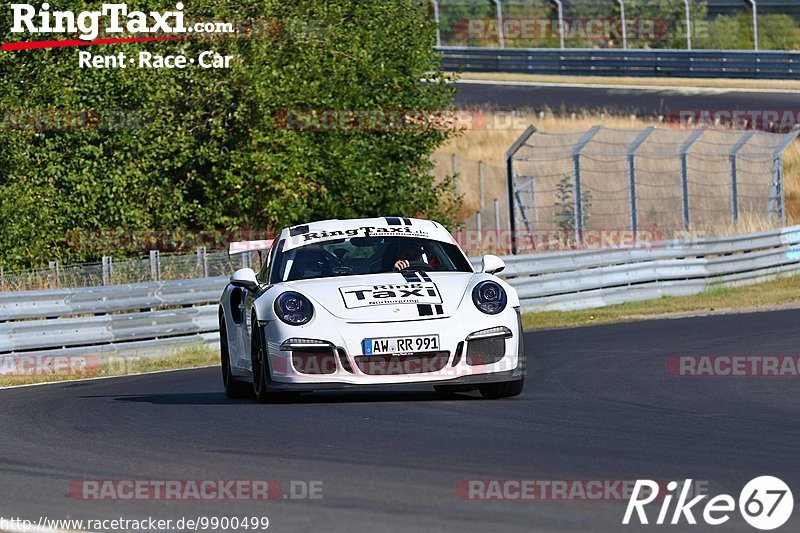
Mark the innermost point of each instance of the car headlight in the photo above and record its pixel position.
(293, 308)
(489, 297)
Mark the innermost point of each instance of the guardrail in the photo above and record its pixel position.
(169, 314)
(114, 319)
(595, 278)
(631, 62)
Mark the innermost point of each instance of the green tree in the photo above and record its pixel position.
(205, 148)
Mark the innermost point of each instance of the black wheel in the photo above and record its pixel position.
(261, 377)
(260, 366)
(233, 387)
(504, 389)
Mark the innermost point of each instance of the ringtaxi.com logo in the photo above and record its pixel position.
(765, 502)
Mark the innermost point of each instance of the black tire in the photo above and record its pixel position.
(233, 387)
(261, 372)
(504, 389)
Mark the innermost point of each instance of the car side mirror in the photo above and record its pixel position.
(245, 278)
(491, 264)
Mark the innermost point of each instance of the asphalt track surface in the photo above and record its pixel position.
(598, 405)
(643, 102)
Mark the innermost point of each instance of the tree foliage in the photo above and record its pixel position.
(206, 148)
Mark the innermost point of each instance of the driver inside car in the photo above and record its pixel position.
(408, 253)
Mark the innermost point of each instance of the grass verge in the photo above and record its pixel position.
(36, 371)
(689, 83)
(778, 293)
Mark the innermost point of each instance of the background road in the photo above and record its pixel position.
(599, 405)
(646, 102)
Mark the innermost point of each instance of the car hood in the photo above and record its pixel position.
(389, 297)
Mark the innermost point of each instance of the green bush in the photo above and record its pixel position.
(775, 32)
(206, 149)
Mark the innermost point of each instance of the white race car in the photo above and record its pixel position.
(383, 301)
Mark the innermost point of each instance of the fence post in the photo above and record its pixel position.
(454, 166)
(776, 190)
(744, 139)
(480, 180)
(687, 221)
(560, 21)
(479, 224)
(512, 223)
(688, 25)
(438, 22)
(632, 176)
(53, 266)
(576, 175)
(2, 279)
(107, 270)
(155, 265)
(755, 24)
(202, 260)
(500, 35)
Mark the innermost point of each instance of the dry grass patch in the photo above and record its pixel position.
(781, 292)
(637, 82)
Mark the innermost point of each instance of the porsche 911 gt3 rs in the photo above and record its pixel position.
(383, 301)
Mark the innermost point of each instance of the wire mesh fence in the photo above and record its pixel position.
(616, 24)
(156, 266)
(656, 182)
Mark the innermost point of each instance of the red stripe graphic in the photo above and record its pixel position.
(11, 47)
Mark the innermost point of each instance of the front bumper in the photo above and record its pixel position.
(455, 364)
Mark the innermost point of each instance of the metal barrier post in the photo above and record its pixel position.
(500, 36)
(107, 270)
(755, 24)
(685, 176)
(512, 224)
(688, 25)
(576, 175)
(497, 216)
(560, 21)
(53, 266)
(776, 190)
(479, 225)
(155, 265)
(438, 22)
(454, 166)
(202, 260)
(632, 175)
(480, 180)
(734, 178)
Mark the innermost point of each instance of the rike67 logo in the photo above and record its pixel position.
(765, 503)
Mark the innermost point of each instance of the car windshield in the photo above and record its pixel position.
(367, 255)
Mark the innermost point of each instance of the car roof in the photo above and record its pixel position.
(382, 226)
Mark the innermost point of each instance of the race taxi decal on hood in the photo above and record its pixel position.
(311, 237)
(391, 294)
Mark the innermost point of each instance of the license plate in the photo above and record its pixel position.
(393, 345)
